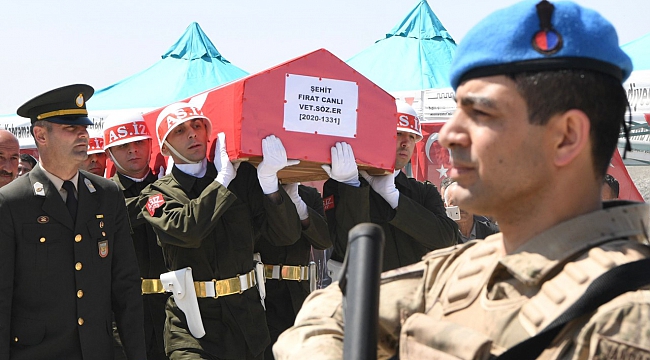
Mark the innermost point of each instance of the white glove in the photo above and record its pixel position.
(226, 171)
(301, 207)
(344, 165)
(170, 165)
(384, 185)
(274, 160)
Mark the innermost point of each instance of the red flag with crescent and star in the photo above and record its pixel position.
(430, 160)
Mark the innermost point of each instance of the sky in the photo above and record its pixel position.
(48, 44)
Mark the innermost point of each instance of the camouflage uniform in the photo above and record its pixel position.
(471, 301)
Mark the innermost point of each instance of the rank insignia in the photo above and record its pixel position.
(38, 189)
(154, 203)
(90, 185)
(103, 248)
(42, 219)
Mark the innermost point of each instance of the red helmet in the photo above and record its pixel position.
(408, 120)
(124, 127)
(95, 144)
(176, 114)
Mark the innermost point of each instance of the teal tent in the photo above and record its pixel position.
(639, 51)
(415, 55)
(190, 66)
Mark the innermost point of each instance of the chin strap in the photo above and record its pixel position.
(178, 155)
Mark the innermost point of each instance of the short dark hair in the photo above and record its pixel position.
(445, 182)
(28, 158)
(601, 97)
(612, 183)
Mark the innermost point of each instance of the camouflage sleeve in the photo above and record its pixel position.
(318, 330)
(618, 330)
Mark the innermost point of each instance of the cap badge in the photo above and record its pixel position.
(80, 100)
(547, 41)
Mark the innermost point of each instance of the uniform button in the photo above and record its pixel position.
(78, 266)
(80, 321)
(16, 339)
(77, 238)
(42, 239)
(80, 294)
(103, 233)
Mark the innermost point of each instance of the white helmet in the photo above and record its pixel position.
(95, 144)
(123, 128)
(408, 120)
(176, 114)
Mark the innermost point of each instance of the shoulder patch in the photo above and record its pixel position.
(328, 203)
(154, 202)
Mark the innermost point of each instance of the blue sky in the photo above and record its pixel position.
(48, 43)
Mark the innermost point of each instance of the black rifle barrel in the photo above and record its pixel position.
(364, 263)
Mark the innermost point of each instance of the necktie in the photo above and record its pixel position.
(70, 200)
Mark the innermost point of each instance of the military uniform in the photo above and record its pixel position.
(418, 225)
(284, 296)
(470, 301)
(151, 262)
(212, 229)
(62, 279)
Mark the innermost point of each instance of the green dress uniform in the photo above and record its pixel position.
(62, 279)
(284, 297)
(151, 262)
(418, 225)
(203, 225)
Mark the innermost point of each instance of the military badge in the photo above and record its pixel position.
(38, 189)
(328, 203)
(154, 203)
(103, 248)
(547, 41)
(42, 219)
(80, 100)
(90, 185)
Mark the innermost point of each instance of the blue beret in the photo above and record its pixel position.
(540, 36)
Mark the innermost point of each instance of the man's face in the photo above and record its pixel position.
(95, 163)
(9, 157)
(498, 158)
(133, 157)
(405, 146)
(67, 143)
(24, 167)
(190, 139)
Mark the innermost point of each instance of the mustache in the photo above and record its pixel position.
(6, 173)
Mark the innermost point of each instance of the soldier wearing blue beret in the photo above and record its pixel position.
(539, 109)
(66, 254)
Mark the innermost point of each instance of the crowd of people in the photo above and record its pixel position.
(214, 259)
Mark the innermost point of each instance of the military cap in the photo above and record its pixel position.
(533, 36)
(65, 105)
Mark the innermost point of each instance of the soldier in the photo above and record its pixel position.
(127, 142)
(540, 107)
(66, 255)
(287, 271)
(207, 217)
(411, 213)
(96, 161)
(9, 157)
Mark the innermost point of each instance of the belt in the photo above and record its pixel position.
(218, 288)
(286, 272)
(152, 286)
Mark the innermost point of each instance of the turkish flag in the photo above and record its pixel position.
(627, 189)
(430, 160)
